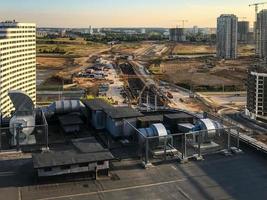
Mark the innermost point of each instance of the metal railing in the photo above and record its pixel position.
(11, 137)
(185, 146)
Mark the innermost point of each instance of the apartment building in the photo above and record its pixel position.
(227, 37)
(17, 61)
(257, 92)
(261, 34)
(243, 30)
(177, 35)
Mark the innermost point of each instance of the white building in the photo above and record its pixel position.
(143, 31)
(227, 37)
(17, 61)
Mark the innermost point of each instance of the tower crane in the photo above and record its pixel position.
(243, 18)
(183, 22)
(256, 5)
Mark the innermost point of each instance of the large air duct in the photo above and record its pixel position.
(23, 121)
(157, 134)
(63, 107)
(208, 129)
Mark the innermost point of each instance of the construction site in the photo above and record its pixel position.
(163, 119)
(118, 128)
(151, 76)
(87, 148)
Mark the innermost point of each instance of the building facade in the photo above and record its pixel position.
(257, 93)
(177, 35)
(261, 34)
(17, 61)
(242, 31)
(227, 37)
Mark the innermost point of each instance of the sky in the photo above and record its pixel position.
(123, 13)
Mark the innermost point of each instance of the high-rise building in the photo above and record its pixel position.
(257, 92)
(17, 61)
(227, 37)
(195, 30)
(242, 31)
(261, 34)
(91, 30)
(143, 31)
(177, 35)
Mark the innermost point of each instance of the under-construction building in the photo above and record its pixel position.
(177, 35)
(257, 92)
(261, 34)
(242, 31)
(227, 37)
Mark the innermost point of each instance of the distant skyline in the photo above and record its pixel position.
(124, 13)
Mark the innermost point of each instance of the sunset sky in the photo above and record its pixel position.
(123, 13)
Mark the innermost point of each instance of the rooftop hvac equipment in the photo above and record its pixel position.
(208, 128)
(23, 121)
(63, 107)
(157, 133)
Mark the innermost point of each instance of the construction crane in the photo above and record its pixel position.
(242, 18)
(183, 22)
(256, 5)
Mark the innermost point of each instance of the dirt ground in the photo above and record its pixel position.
(52, 62)
(74, 57)
(76, 48)
(193, 49)
(131, 48)
(225, 101)
(190, 49)
(207, 71)
(261, 138)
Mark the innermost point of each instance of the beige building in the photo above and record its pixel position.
(17, 61)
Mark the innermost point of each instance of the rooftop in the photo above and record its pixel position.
(67, 120)
(180, 115)
(13, 24)
(217, 177)
(96, 104)
(122, 112)
(53, 159)
(151, 118)
(86, 145)
(84, 150)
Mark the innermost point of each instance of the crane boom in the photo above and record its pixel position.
(257, 8)
(183, 22)
(256, 5)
